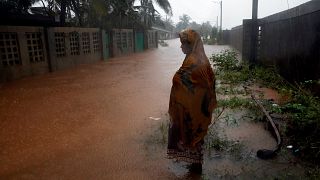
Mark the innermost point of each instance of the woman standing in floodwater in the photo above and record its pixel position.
(192, 101)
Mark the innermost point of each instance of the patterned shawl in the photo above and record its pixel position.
(193, 96)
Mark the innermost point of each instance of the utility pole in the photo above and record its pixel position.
(217, 25)
(220, 29)
(254, 32)
(221, 18)
(254, 9)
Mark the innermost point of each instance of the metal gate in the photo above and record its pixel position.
(106, 44)
(139, 42)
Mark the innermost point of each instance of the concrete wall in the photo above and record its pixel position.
(69, 46)
(26, 50)
(22, 52)
(122, 42)
(152, 39)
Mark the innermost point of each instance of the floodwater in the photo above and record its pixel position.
(92, 122)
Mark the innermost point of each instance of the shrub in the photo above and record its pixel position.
(302, 108)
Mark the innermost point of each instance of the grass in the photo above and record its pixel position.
(230, 90)
(221, 144)
(236, 102)
(212, 141)
(160, 134)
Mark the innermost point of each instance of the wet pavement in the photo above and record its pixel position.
(91, 121)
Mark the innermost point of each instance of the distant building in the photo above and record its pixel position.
(164, 34)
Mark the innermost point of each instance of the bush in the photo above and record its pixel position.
(302, 108)
(227, 60)
(304, 126)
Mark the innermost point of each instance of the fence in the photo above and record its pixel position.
(289, 40)
(26, 51)
(236, 35)
(69, 46)
(122, 42)
(22, 52)
(152, 39)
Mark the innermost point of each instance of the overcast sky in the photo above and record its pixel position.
(233, 11)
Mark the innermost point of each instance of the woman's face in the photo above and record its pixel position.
(186, 48)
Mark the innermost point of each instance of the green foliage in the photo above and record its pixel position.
(267, 77)
(15, 6)
(210, 41)
(234, 148)
(225, 61)
(230, 70)
(235, 102)
(213, 141)
(160, 135)
(313, 172)
(183, 23)
(105, 14)
(304, 127)
(165, 5)
(302, 108)
(229, 90)
(164, 126)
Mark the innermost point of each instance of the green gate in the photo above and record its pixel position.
(139, 42)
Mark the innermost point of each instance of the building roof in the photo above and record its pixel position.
(160, 29)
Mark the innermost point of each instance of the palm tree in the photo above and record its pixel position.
(183, 23)
(149, 13)
(165, 5)
(96, 10)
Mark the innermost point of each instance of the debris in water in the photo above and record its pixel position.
(153, 118)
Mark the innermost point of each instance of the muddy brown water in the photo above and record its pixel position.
(92, 122)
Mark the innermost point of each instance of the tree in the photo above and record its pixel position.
(164, 23)
(183, 23)
(168, 24)
(80, 8)
(205, 30)
(214, 33)
(15, 6)
(71, 9)
(165, 5)
(96, 13)
(63, 7)
(149, 13)
(105, 13)
(195, 26)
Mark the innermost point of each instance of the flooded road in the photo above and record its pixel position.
(89, 122)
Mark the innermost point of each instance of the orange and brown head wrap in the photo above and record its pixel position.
(194, 40)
